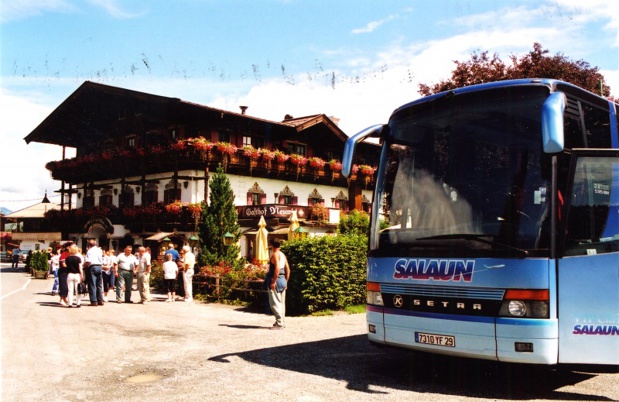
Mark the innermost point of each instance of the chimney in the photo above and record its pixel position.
(243, 109)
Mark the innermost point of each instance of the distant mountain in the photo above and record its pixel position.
(5, 211)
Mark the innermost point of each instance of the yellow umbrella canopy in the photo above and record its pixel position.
(294, 225)
(262, 242)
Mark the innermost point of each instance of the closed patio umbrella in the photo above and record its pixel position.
(262, 242)
(294, 225)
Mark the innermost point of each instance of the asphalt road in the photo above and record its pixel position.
(197, 351)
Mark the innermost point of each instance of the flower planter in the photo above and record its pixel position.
(40, 274)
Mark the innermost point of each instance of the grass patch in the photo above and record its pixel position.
(356, 309)
(322, 313)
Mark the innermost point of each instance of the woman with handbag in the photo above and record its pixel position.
(75, 276)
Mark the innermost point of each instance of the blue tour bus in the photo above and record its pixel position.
(495, 225)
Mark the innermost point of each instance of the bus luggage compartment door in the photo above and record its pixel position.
(588, 304)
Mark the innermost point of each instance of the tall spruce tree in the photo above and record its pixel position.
(218, 218)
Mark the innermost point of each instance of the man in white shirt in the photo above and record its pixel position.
(125, 265)
(143, 272)
(94, 261)
(189, 260)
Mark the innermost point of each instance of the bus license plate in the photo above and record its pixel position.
(433, 339)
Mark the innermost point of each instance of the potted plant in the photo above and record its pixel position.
(40, 264)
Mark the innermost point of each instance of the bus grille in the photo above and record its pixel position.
(450, 292)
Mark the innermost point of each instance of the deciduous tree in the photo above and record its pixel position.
(536, 64)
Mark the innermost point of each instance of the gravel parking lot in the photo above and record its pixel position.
(182, 351)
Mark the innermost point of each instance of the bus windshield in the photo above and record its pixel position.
(465, 175)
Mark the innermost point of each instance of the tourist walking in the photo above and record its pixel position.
(143, 274)
(15, 258)
(126, 263)
(170, 271)
(75, 275)
(107, 270)
(94, 262)
(55, 262)
(277, 283)
(189, 261)
(177, 259)
(63, 272)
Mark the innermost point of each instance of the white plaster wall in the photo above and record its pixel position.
(194, 192)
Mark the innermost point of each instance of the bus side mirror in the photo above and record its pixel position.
(351, 143)
(552, 123)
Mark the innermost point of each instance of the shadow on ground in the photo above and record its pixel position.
(365, 367)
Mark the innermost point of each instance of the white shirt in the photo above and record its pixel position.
(127, 262)
(94, 256)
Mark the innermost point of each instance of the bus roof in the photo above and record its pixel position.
(552, 84)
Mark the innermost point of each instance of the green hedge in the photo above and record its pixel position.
(326, 273)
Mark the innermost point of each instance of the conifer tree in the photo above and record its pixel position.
(218, 218)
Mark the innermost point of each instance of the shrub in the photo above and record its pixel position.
(157, 279)
(326, 273)
(354, 223)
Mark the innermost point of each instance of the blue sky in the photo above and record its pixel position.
(355, 60)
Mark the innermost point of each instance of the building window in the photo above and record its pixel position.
(131, 141)
(366, 204)
(151, 194)
(127, 197)
(89, 198)
(340, 201)
(172, 192)
(296, 148)
(105, 199)
(255, 142)
(256, 196)
(287, 197)
(224, 136)
(330, 155)
(315, 198)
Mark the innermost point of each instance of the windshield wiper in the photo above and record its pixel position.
(480, 238)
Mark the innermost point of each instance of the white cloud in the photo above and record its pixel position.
(373, 25)
(24, 178)
(113, 8)
(18, 9)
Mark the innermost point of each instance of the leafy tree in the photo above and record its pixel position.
(354, 223)
(218, 218)
(536, 64)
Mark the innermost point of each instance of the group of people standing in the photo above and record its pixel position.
(101, 271)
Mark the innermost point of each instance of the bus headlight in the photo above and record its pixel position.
(525, 303)
(517, 308)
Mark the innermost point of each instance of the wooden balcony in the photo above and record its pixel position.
(137, 162)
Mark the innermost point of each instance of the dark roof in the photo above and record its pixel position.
(92, 113)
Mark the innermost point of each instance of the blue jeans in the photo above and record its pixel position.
(95, 284)
(55, 287)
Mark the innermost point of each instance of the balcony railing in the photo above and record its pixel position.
(198, 154)
(148, 218)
